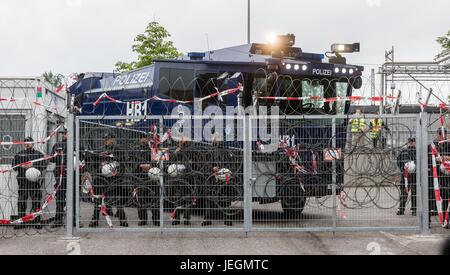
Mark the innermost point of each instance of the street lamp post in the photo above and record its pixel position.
(248, 21)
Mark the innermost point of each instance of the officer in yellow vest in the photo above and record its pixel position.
(358, 127)
(376, 126)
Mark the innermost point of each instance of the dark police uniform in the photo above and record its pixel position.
(60, 174)
(186, 200)
(101, 183)
(216, 194)
(28, 189)
(405, 156)
(148, 192)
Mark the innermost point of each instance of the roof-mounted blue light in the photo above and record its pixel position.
(196, 55)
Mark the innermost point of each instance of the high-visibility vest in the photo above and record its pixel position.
(376, 126)
(358, 125)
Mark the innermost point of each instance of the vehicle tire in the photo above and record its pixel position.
(293, 198)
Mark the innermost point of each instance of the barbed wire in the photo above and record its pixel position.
(366, 176)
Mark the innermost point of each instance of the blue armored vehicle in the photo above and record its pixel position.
(308, 90)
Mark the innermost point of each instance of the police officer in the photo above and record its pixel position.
(111, 156)
(60, 174)
(29, 189)
(358, 126)
(405, 160)
(217, 193)
(148, 194)
(377, 126)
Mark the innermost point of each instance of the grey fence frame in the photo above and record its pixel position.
(422, 180)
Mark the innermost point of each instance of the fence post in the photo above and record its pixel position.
(333, 186)
(423, 182)
(247, 174)
(161, 182)
(76, 202)
(419, 175)
(70, 177)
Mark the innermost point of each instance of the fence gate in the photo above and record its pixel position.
(247, 173)
(321, 176)
(160, 174)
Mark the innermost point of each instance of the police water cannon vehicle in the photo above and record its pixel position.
(250, 75)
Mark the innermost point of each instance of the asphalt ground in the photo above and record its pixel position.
(379, 243)
(378, 213)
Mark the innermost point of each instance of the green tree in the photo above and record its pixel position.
(444, 41)
(54, 79)
(153, 44)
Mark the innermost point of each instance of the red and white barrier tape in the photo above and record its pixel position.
(342, 203)
(442, 122)
(44, 141)
(28, 162)
(217, 94)
(447, 167)
(103, 207)
(447, 215)
(405, 178)
(38, 212)
(441, 106)
(104, 211)
(173, 215)
(437, 191)
(60, 88)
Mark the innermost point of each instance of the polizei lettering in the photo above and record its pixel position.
(129, 79)
(324, 72)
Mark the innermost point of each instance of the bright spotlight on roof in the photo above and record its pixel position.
(287, 40)
(272, 38)
(345, 48)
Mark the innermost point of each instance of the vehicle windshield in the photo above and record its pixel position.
(295, 87)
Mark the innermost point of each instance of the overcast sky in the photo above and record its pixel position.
(92, 35)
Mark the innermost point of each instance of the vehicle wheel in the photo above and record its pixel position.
(226, 197)
(293, 198)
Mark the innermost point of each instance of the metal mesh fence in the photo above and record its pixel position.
(380, 186)
(311, 168)
(32, 188)
(152, 175)
(438, 171)
(326, 175)
(286, 173)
